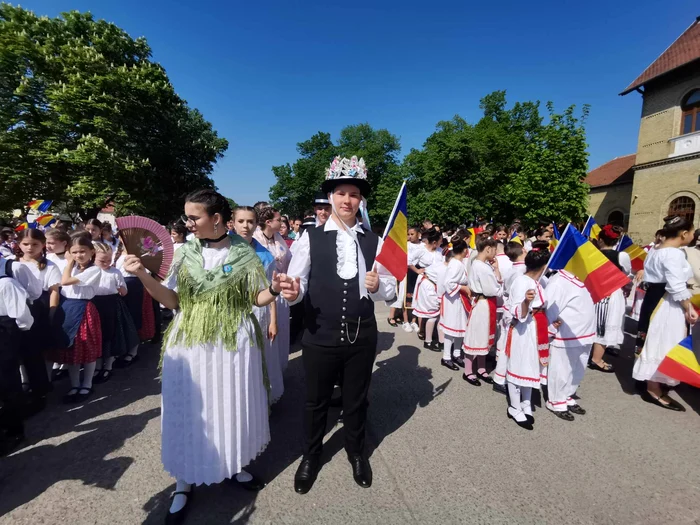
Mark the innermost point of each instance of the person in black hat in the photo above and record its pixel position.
(322, 208)
(340, 336)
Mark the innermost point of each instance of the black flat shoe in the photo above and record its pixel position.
(607, 369)
(670, 404)
(577, 409)
(71, 396)
(361, 470)
(421, 336)
(472, 379)
(175, 518)
(437, 346)
(126, 361)
(306, 475)
(501, 389)
(522, 424)
(102, 377)
(83, 396)
(566, 416)
(459, 361)
(485, 378)
(428, 346)
(254, 485)
(448, 364)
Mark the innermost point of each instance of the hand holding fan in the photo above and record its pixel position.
(149, 241)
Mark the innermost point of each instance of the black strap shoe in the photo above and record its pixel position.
(449, 364)
(252, 485)
(577, 409)
(361, 470)
(175, 518)
(459, 361)
(306, 474)
(472, 379)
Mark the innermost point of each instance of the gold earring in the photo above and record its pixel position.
(216, 227)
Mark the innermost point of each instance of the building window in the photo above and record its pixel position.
(690, 120)
(617, 218)
(683, 207)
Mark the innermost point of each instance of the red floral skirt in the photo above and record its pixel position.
(87, 346)
(148, 321)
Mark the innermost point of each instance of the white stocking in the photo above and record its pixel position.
(429, 327)
(447, 350)
(514, 409)
(180, 500)
(88, 372)
(526, 396)
(244, 477)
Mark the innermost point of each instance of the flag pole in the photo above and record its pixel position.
(393, 211)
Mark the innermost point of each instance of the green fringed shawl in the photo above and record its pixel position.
(214, 303)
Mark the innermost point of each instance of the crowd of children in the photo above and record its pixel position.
(495, 296)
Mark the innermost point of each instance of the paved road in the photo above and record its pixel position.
(443, 452)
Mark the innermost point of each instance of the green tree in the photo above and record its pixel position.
(87, 117)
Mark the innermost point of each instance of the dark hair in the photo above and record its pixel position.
(94, 222)
(500, 228)
(489, 228)
(308, 213)
(36, 235)
(415, 227)
(248, 209)
(539, 232)
(59, 235)
(674, 225)
(83, 239)
(694, 242)
(265, 213)
(431, 235)
(514, 250)
(62, 225)
(516, 227)
(605, 240)
(179, 227)
(213, 203)
(460, 241)
(260, 204)
(538, 256)
(285, 220)
(483, 241)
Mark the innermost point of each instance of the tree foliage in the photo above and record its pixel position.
(86, 116)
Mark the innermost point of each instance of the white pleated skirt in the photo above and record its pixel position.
(614, 334)
(666, 329)
(214, 409)
(426, 303)
(453, 316)
(476, 341)
(524, 368)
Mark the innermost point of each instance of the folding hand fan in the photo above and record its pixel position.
(149, 241)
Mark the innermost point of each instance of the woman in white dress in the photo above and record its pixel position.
(667, 327)
(610, 311)
(425, 305)
(455, 303)
(527, 344)
(214, 399)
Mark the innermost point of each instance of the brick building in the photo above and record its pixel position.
(663, 177)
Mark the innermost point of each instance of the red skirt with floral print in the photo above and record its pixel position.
(87, 346)
(148, 321)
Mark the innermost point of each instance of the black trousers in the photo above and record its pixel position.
(322, 366)
(11, 397)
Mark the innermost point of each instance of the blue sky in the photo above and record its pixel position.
(271, 74)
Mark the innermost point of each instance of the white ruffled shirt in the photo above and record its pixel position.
(346, 266)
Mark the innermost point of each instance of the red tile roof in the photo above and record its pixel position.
(617, 171)
(684, 50)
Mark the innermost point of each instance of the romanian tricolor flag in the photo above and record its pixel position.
(591, 230)
(39, 205)
(681, 363)
(555, 239)
(636, 253)
(21, 227)
(394, 254)
(516, 238)
(577, 255)
(45, 220)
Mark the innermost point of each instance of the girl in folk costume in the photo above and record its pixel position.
(178, 233)
(214, 397)
(527, 343)
(267, 234)
(35, 342)
(119, 336)
(427, 300)
(245, 221)
(666, 266)
(610, 312)
(80, 338)
(455, 303)
(425, 290)
(572, 329)
(516, 256)
(57, 244)
(406, 288)
(486, 285)
(94, 228)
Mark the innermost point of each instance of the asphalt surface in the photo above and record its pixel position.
(443, 452)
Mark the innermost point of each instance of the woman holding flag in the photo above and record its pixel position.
(340, 336)
(666, 266)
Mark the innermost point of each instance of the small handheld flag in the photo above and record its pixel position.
(591, 230)
(636, 253)
(45, 220)
(394, 253)
(39, 205)
(555, 231)
(577, 255)
(681, 363)
(516, 238)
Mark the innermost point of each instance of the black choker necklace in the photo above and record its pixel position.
(207, 242)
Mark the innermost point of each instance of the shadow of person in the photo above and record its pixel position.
(81, 458)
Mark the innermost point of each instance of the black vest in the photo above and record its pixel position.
(614, 257)
(332, 306)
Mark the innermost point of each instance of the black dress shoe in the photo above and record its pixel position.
(459, 361)
(449, 364)
(501, 389)
(566, 415)
(671, 404)
(436, 346)
(175, 518)
(471, 379)
(361, 470)
(253, 485)
(522, 424)
(428, 345)
(306, 474)
(577, 409)
(485, 378)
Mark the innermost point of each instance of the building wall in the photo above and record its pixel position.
(661, 113)
(602, 201)
(652, 192)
